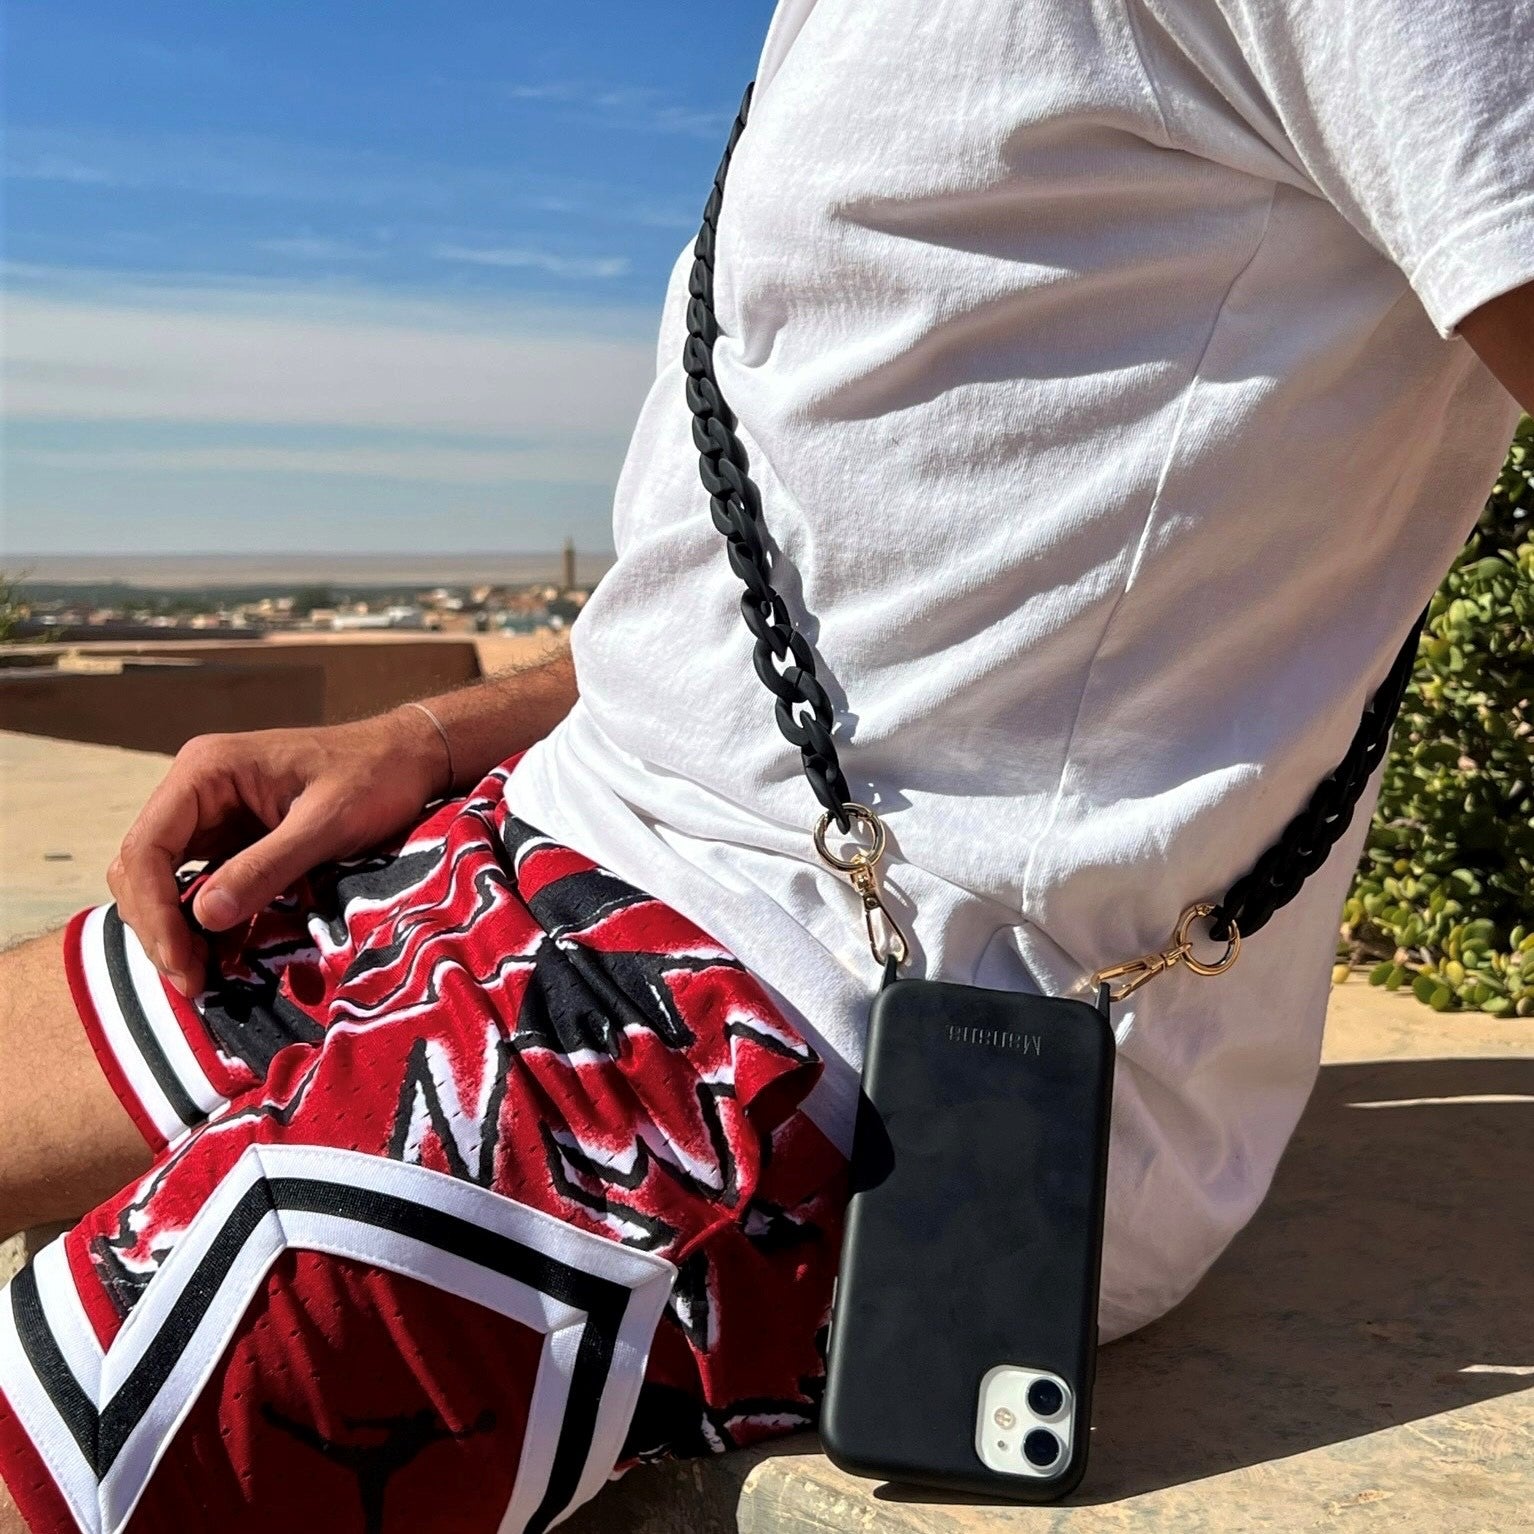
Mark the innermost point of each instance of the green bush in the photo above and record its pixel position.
(1444, 896)
(12, 608)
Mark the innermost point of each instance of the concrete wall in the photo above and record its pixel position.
(156, 696)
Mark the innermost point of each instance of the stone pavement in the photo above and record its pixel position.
(63, 810)
(1361, 1358)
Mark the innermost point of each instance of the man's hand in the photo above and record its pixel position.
(274, 803)
(1502, 332)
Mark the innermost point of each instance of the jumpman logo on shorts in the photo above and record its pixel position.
(405, 1437)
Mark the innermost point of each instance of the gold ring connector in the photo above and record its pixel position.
(885, 939)
(858, 814)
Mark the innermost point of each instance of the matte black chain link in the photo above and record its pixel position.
(783, 658)
(1302, 846)
(786, 665)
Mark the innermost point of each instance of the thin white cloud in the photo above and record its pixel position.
(314, 247)
(266, 355)
(542, 260)
(638, 108)
(549, 90)
(259, 167)
(333, 299)
(234, 165)
(553, 462)
(180, 56)
(59, 165)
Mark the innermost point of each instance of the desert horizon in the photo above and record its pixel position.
(343, 568)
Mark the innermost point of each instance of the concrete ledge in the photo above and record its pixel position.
(156, 696)
(1400, 1480)
(19, 1250)
(1362, 1356)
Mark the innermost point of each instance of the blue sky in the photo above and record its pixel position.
(341, 275)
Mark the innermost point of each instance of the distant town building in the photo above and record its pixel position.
(483, 607)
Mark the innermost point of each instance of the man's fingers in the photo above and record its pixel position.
(251, 879)
(151, 906)
(142, 879)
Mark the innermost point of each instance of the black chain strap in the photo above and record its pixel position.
(1303, 845)
(736, 506)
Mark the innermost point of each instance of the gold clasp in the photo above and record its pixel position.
(1149, 965)
(885, 939)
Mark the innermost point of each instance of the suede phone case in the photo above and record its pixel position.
(974, 1232)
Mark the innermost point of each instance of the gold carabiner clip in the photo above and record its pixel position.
(885, 939)
(1179, 951)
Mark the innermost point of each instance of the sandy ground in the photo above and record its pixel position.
(1360, 1356)
(63, 810)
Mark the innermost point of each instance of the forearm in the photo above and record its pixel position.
(496, 717)
(1503, 333)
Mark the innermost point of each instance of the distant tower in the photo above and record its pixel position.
(569, 581)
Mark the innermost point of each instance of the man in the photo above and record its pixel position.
(1121, 377)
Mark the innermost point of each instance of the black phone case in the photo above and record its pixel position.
(974, 1232)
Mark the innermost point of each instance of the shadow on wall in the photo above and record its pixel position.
(1386, 1280)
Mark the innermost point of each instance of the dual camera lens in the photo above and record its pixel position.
(1041, 1448)
(1027, 1422)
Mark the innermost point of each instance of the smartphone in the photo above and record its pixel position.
(964, 1326)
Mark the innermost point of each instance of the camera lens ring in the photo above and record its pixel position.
(1045, 1398)
(1041, 1448)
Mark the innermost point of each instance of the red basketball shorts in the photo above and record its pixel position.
(480, 1175)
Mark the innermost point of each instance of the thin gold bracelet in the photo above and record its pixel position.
(447, 745)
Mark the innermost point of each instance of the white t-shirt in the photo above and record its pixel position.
(1095, 361)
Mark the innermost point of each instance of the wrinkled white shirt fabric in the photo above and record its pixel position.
(1096, 361)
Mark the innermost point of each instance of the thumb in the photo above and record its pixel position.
(253, 878)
